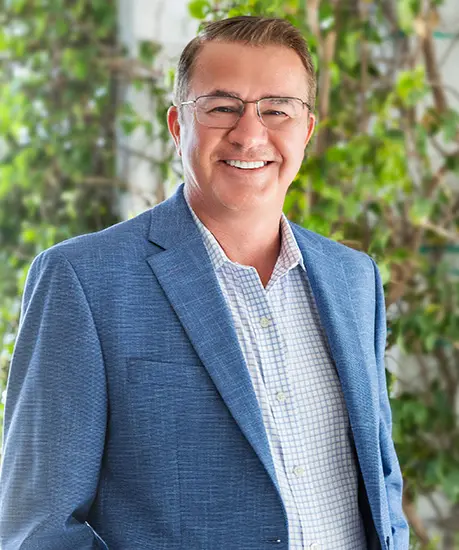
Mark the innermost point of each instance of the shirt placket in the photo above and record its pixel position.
(286, 413)
(272, 353)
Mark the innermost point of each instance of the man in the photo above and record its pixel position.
(207, 375)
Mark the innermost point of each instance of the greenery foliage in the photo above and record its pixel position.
(57, 130)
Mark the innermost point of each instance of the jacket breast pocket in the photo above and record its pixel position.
(159, 402)
(175, 376)
(167, 401)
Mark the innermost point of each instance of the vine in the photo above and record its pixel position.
(58, 101)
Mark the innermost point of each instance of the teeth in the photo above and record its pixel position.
(246, 165)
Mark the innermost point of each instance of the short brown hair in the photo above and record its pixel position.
(250, 30)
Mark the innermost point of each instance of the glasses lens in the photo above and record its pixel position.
(218, 112)
(280, 112)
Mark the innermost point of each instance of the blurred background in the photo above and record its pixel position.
(84, 90)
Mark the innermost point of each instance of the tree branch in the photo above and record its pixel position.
(425, 24)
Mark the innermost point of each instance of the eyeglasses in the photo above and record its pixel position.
(276, 113)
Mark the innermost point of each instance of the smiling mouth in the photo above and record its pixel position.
(247, 165)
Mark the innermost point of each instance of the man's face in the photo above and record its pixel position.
(249, 73)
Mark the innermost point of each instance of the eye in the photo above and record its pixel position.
(223, 109)
(276, 113)
(281, 108)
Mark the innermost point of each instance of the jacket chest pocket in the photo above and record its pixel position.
(146, 373)
(165, 398)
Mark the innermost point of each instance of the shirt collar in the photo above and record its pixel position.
(289, 255)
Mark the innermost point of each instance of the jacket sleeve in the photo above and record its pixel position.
(391, 468)
(55, 415)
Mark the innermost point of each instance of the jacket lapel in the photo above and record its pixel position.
(185, 273)
(349, 328)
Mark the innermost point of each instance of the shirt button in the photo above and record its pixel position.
(265, 322)
(315, 546)
(299, 471)
(280, 396)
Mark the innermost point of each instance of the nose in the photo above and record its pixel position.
(249, 132)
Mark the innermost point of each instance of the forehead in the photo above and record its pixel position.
(249, 71)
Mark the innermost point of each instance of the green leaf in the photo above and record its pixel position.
(405, 14)
(450, 485)
(450, 126)
(148, 50)
(420, 210)
(62, 27)
(430, 341)
(452, 163)
(17, 6)
(199, 8)
(349, 54)
(384, 271)
(411, 85)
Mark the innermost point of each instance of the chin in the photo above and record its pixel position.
(244, 198)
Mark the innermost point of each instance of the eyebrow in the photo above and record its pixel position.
(223, 93)
(228, 93)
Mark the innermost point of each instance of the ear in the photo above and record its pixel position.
(311, 126)
(174, 127)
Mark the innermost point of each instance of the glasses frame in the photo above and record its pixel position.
(244, 103)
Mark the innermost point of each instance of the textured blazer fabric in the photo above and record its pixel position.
(131, 421)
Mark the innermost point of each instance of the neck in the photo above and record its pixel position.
(248, 238)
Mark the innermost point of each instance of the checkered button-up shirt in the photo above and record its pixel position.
(299, 394)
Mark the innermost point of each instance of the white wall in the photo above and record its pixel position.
(166, 22)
